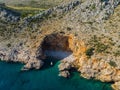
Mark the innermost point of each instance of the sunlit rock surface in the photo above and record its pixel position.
(68, 32)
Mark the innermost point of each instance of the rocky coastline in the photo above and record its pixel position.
(67, 44)
(89, 68)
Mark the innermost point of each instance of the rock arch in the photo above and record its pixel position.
(56, 45)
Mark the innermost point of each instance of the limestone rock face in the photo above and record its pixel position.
(85, 18)
(18, 53)
(116, 86)
(58, 10)
(64, 66)
(33, 64)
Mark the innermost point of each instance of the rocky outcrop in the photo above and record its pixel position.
(116, 86)
(89, 67)
(33, 64)
(58, 10)
(19, 53)
(98, 69)
(64, 73)
(66, 65)
(64, 68)
(92, 67)
(102, 9)
(89, 11)
(31, 57)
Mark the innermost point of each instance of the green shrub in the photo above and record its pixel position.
(93, 7)
(69, 28)
(100, 47)
(89, 52)
(112, 63)
(97, 44)
(8, 45)
(117, 53)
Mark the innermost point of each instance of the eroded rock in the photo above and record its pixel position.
(64, 66)
(64, 73)
(33, 64)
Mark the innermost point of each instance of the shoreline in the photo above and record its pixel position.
(78, 59)
(74, 78)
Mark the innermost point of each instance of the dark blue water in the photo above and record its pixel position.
(46, 79)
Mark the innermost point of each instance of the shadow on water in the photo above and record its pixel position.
(73, 72)
(49, 62)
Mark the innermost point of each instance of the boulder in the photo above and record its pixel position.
(65, 73)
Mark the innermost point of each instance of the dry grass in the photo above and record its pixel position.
(34, 3)
(25, 8)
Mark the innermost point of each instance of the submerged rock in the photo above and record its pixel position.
(65, 73)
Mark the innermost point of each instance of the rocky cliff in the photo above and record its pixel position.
(84, 34)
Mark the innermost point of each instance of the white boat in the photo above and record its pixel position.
(51, 63)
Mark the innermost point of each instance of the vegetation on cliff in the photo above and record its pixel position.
(91, 28)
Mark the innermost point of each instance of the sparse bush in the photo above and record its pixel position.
(89, 52)
(119, 46)
(93, 7)
(68, 28)
(117, 53)
(8, 45)
(100, 47)
(112, 63)
(54, 15)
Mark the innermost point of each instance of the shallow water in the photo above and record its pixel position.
(46, 79)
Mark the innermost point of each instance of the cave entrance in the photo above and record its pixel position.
(56, 45)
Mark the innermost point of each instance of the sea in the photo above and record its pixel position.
(12, 78)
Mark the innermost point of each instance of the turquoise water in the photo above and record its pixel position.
(46, 79)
